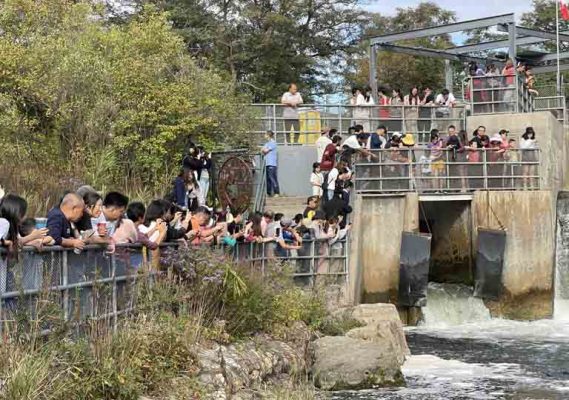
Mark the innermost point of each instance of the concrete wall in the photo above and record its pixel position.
(528, 217)
(550, 135)
(294, 169)
(376, 241)
(451, 228)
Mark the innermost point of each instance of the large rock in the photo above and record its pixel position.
(369, 314)
(226, 371)
(388, 333)
(381, 324)
(344, 363)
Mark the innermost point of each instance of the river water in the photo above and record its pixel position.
(461, 353)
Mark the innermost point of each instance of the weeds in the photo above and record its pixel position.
(203, 297)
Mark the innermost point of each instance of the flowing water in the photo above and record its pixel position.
(459, 352)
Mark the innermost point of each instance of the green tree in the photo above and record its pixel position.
(264, 45)
(400, 70)
(542, 17)
(102, 103)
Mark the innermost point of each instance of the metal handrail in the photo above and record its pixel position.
(261, 187)
(76, 277)
(414, 119)
(416, 170)
(555, 104)
(491, 94)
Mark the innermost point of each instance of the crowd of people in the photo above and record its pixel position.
(87, 217)
(451, 153)
(416, 116)
(494, 89)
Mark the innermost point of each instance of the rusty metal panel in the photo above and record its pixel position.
(415, 257)
(489, 263)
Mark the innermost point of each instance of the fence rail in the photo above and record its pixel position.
(497, 94)
(442, 170)
(96, 285)
(312, 118)
(555, 104)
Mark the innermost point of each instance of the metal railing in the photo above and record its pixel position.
(312, 118)
(96, 285)
(497, 94)
(440, 171)
(555, 104)
(261, 186)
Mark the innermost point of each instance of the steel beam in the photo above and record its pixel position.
(549, 68)
(418, 51)
(496, 44)
(551, 57)
(512, 32)
(520, 30)
(448, 75)
(444, 29)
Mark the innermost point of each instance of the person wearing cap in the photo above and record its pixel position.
(321, 143)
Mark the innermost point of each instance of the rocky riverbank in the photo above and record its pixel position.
(365, 357)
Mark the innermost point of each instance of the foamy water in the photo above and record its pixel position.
(459, 352)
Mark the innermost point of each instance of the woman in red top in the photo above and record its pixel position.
(329, 157)
(509, 95)
(383, 100)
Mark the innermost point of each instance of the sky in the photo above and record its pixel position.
(465, 10)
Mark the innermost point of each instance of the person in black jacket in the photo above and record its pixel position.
(191, 160)
(204, 172)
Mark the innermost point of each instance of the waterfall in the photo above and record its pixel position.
(451, 305)
(561, 305)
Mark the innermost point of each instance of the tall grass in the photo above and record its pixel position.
(203, 296)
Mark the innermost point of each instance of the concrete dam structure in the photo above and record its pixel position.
(400, 195)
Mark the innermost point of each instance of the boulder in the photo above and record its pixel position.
(228, 370)
(345, 363)
(388, 333)
(368, 314)
(381, 324)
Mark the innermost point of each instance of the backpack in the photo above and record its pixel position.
(346, 155)
(324, 186)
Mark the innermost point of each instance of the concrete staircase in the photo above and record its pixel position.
(289, 206)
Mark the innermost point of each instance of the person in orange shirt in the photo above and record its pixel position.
(199, 223)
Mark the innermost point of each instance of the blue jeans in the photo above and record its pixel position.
(330, 194)
(272, 181)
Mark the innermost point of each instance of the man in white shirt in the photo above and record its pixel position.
(323, 141)
(291, 100)
(445, 99)
(353, 144)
